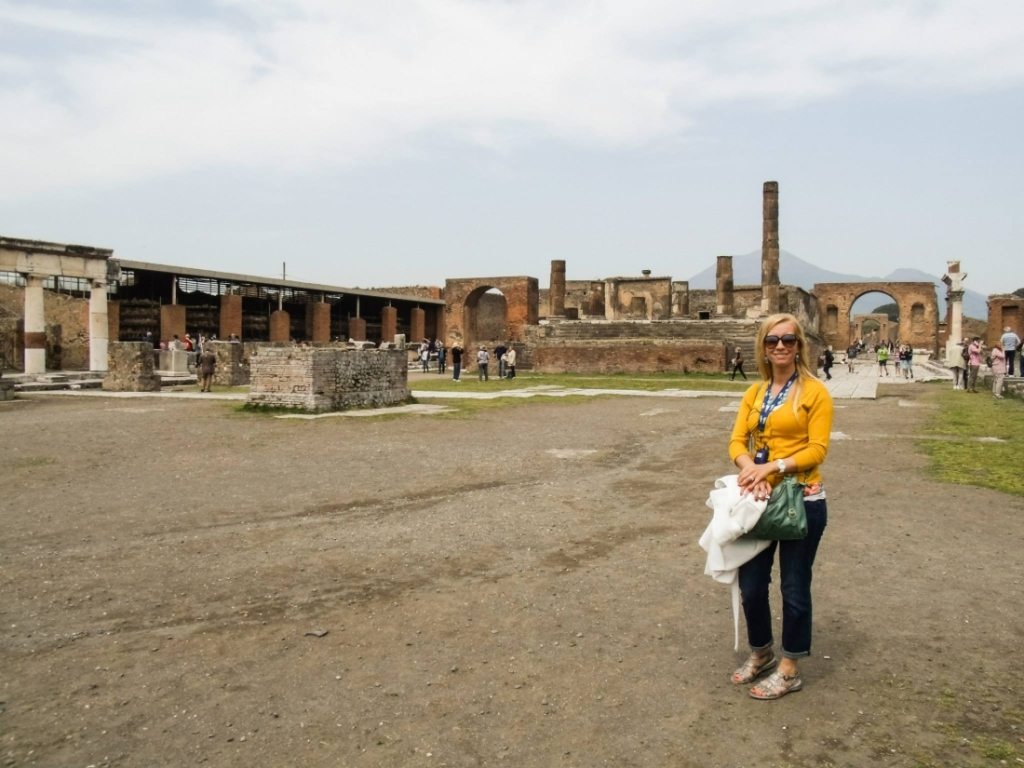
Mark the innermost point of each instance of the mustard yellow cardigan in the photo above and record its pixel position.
(800, 435)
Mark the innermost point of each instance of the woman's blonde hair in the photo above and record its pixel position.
(764, 366)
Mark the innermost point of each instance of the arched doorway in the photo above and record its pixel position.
(485, 317)
(916, 310)
(488, 310)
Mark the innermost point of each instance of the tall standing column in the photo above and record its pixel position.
(98, 328)
(556, 289)
(417, 324)
(724, 286)
(770, 249)
(954, 280)
(35, 326)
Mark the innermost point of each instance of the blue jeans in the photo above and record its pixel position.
(795, 561)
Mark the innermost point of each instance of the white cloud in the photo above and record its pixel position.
(299, 84)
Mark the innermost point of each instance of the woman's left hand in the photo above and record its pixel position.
(753, 479)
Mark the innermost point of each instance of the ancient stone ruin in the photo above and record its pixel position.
(320, 379)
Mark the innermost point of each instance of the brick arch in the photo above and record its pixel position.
(462, 296)
(917, 302)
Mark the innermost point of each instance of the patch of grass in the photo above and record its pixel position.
(957, 452)
(33, 462)
(641, 381)
(465, 409)
(995, 749)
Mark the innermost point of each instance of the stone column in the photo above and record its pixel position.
(98, 328)
(724, 286)
(770, 249)
(230, 316)
(357, 328)
(556, 290)
(954, 280)
(35, 326)
(319, 321)
(388, 323)
(172, 321)
(440, 329)
(417, 325)
(280, 326)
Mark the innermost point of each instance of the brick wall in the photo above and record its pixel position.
(630, 356)
(327, 378)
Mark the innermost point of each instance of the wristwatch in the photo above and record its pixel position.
(781, 464)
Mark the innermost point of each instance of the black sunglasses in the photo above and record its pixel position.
(787, 339)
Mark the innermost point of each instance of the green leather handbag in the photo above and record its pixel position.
(785, 517)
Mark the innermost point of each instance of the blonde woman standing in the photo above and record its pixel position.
(787, 419)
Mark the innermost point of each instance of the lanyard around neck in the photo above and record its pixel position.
(771, 403)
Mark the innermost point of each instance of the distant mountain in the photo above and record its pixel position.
(746, 270)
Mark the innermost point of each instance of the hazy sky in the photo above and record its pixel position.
(391, 143)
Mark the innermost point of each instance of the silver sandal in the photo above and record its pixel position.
(754, 667)
(776, 685)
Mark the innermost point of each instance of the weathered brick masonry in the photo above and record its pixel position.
(624, 347)
(327, 379)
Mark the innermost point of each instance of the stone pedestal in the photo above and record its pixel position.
(173, 362)
(320, 379)
(232, 367)
(130, 367)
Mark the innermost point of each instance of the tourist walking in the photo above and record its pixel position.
(510, 362)
(1011, 343)
(207, 367)
(907, 361)
(998, 366)
(499, 355)
(456, 362)
(782, 427)
(424, 355)
(737, 364)
(482, 359)
(973, 363)
(882, 355)
(829, 360)
(441, 356)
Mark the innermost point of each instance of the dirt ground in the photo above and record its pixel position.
(521, 587)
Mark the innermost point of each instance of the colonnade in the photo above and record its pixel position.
(37, 261)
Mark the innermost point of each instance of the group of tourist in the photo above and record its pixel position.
(201, 355)
(902, 356)
(434, 349)
(965, 359)
(505, 356)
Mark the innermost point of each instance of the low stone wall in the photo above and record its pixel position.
(130, 367)
(232, 363)
(630, 356)
(318, 379)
